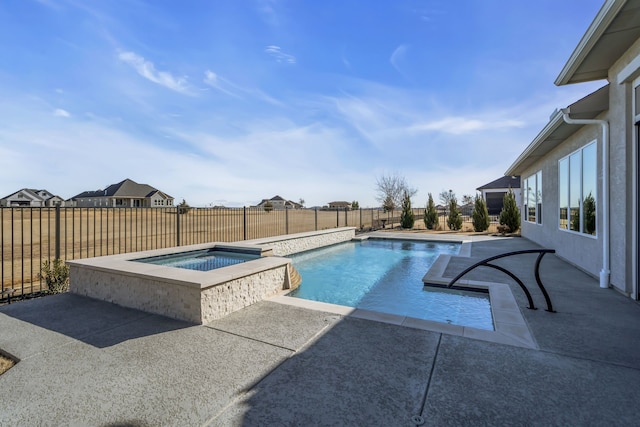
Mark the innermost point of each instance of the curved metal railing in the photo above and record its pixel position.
(486, 263)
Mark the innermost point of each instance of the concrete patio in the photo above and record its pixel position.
(87, 362)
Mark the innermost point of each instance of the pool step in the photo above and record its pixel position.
(294, 277)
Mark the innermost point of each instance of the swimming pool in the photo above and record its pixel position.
(386, 276)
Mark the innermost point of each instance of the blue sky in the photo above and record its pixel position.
(229, 102)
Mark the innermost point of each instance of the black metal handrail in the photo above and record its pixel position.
(486, 263)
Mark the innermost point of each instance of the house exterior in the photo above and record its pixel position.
(28, 197)
(340, 205)
(493, 193)
(581, 174)
(279, 203)
(125, 194)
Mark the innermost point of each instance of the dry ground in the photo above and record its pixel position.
(5, 364)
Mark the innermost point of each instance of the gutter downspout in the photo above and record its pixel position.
(605, 274)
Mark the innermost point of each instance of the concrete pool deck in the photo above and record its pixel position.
(88, 362)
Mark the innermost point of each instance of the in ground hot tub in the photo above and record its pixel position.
(243, 273)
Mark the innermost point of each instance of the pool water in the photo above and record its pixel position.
(204, 260)
(386, 276)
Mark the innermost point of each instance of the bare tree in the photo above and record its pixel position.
(467, 199)
(446, 196)
(390, 190)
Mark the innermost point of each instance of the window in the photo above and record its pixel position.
(533, 198)
(577, 190)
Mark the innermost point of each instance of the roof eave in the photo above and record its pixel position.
(554, 123)
(603, 19)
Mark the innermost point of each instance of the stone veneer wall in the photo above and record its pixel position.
(294, 243)
(223, 299)
(139, 292)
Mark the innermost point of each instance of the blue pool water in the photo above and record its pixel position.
(204, 260)
(386, 276)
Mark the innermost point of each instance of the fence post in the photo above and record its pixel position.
(346, 217)
(360, 218)
(178, 225)
(286, 221)
(316, 215)
(245, 222)
(57, 254)
(337, 217)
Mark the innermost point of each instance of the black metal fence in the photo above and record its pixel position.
(32, 235)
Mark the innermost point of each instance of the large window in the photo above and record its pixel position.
(577, 190)
(533, 198)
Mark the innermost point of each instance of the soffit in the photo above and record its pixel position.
(557, 130)
(612, 32)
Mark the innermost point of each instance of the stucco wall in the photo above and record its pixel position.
(622, 176)
(580, 249)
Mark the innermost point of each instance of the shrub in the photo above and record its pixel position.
(510, 214)
(406, 217)
(480, 215)
(56, 275)
(454, 221)
(431, 215)
(268, 207)
(589, 206)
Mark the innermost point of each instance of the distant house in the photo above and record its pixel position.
(493, 193)
(340, 205)
(32, 198)
(127, 193)
(279, 203)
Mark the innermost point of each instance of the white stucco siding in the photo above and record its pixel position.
(582, 250)
(621, 151)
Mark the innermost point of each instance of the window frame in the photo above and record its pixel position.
(536, 179)
(580, 189)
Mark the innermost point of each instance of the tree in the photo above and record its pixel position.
(467, 199)
(355, 205)
(406, 217)
(391, 189)
(268, 207)
(480, 215)
(510, 214)
(589, 207)
(301, 202)
(430, 214)
(454, 221)
(446, 196)
(388, 205)
(183, 207)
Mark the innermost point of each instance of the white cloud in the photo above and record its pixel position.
(147, 70)
(277, 53)
(464, 125)
(59, 112)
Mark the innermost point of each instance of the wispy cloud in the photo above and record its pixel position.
(277, 53)
(267, 9)
(59, 112)
(398, 56)
(219, 83)
(147, 70)
(464, 125)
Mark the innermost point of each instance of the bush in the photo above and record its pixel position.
(510, 214)
(56, 275)
(454, 221)
(431, 215)
(480, 215)
(406, 217)
(268, 207)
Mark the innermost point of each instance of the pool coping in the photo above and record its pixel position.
(510, 325)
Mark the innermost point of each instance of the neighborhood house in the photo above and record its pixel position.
(127, 193)
(28, 197)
